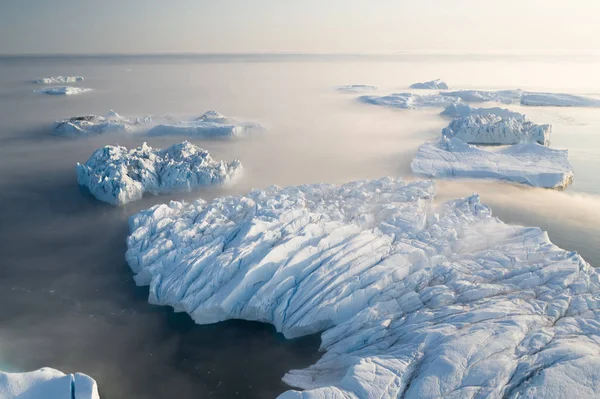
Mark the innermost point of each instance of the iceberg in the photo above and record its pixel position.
(436, 84)
(413, 299)
(459, 110)
(493, 129)
(558, 100)
(210, 125)
(56, 80)
(47, 383)
(64, 90)
(117, 176)
(530, 164)
(479, 96)
(409, 100)
(81, 126)
(356, 88)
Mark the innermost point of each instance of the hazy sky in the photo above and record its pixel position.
(151, 26)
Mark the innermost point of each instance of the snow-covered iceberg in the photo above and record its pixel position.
(530, 164)
(116, 175)
(558, 100)
(409, 100)
(414, 300)
(356, 88)
(81, 126)
(458, 110)
(47, 383)
(63, 90)
(210, 125)
(480, 96)
(493, 129)
(56, 80)
(436, 84)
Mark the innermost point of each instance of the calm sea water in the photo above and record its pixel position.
(69, 301)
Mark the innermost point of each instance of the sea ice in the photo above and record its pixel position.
(493, 129)
(47, 383)
(409, 100)
(96, 124)
(356, 88)
(436, 84)
(116, 175)
(457, 110)
(63, 90)
(55, 80)
(414, 299)
(210, 125)
(479, 96)
(558, 100)
(530, 164)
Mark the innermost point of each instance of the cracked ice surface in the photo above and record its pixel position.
(436, 84)
(47, 383)
(530, 164)
(479, 96)
(409, 100)
(54, 80)
(116, 175)
(64, 90)
(458, 110)
(96, 124)
(493, 129)
(415, 301)
(558, 100)
(211, 124)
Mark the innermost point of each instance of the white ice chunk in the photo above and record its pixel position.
(436, 84)
(458, 110)
(493, 129)
(356, 88)
(210, 125)
(479, 96)
(415, 301)
(96, 124)
(63, 90)
(47, 383)
(116, 175)
(558, 100)
(409, 100)
(530, 164)
(56, 80)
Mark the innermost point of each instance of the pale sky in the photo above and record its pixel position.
(309, 26)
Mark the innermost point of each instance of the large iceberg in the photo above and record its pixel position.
(116, 175)
(558, 100)
(63, 90)
(479, 96)
(493, 129)
(458, 110)
(436, 84)
(210, 125)
(47, 383)
(96, 124)
(356, 88)
(414, 300)
(530, 164)
(409, 100)
(55, 80)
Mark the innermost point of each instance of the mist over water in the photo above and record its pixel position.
(69, 299)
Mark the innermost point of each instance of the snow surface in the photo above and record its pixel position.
(55, 80)
(493, 129)
(63, 90)
(479, 96)
(356, 88)
(210, 125)
(558, 100)
(116, 175)
(47, 383)
(96, 124)
(409, 100)
(414, 300)
(457, 110)
(436, 84)
(530, 164)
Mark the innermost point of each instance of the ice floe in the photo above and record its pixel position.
(81, 126)
(558, 100)
(47, 383)
(436, 84)
(493, 129)
(530, 164)
(210, 125)
(63, 90)
(458, 110)
(356, 88)
(117, 175)
(414, 300)
(479, 96)
(409, 100)
(56, 80)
